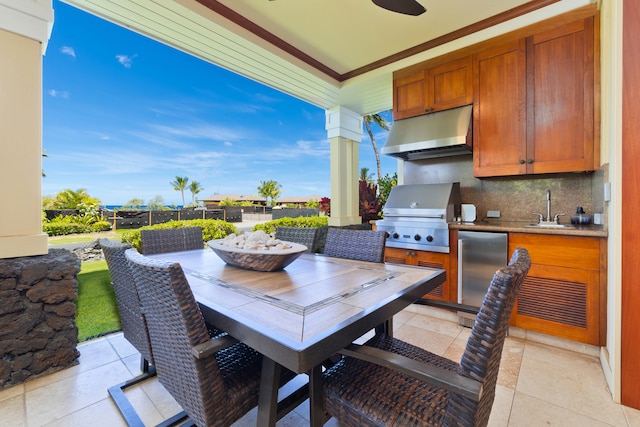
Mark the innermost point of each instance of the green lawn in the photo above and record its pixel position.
(96, 307)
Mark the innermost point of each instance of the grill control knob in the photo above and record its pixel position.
(417, 237)
(429, 238)
(395, 235)
(386, 234)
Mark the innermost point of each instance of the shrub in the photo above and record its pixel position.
(369, 203)
(60, 228)
(301, 222)
(62, 225)
(211, 229)
(385, 184)
(101, 226)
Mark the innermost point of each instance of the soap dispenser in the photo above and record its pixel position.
(580, 218)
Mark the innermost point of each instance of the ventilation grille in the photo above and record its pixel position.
(436, 292)
(466, 322)
(554, 300)
(395, 260)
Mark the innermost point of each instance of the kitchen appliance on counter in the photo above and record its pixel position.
(480, 254)
(416, 216)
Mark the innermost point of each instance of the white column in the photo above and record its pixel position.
(24, 30)
(344, 130)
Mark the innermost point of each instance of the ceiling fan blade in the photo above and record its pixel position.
(408, 7)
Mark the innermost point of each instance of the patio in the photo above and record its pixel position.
(543, 381)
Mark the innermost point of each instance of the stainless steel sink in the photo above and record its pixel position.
(551, 225)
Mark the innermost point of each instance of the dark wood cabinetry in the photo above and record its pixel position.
(449, 85)
(424, 259)
(534, 94)
(408, 94)
(432, 87)
(560, 99)
(500, 110)
(535, 104)
(563, 294)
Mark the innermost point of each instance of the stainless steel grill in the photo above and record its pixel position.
(416, 216)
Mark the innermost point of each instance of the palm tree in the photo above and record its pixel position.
(365, 175)
(383, 124)
(180, 184)
(270, 190)
(195, 187)
(69, 199)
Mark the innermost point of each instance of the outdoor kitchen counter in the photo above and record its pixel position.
(523, 227)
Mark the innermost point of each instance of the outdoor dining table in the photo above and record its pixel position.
(300, 316)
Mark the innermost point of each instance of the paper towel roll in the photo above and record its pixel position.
(468, 213)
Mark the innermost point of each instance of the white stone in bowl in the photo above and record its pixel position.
(257, 259)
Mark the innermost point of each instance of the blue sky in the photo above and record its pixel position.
(124, 115)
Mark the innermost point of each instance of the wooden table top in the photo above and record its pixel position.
(303, 314)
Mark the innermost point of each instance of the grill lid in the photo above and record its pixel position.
(436, 201)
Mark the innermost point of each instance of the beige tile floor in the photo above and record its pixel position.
(543, 382)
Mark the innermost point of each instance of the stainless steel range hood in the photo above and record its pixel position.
(441, 134)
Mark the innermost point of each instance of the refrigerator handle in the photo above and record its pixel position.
(460, 249)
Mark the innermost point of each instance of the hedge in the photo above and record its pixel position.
(211, 229)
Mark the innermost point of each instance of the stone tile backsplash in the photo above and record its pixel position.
(517, 198)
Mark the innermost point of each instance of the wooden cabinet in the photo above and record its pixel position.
(430, 88)
(408, 94)
(499, 113)
(424, 259)
(563, 294)
(534, 104)
(449, 85)
(560, 99)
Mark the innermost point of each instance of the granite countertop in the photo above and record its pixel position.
(523, 227)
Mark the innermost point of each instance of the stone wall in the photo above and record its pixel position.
(37, 315)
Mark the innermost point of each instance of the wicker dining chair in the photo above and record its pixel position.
(392, 383)
(161, 240)
(304, 236)
(362, 245)
(133, 323)
(215, 380)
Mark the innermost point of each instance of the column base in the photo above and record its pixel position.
(18, 246)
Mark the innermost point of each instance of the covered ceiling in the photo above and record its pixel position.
(326, 52)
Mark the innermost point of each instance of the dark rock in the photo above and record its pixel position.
(59, 323)
(11, 302)
(37, 330)
(65, 309)
(53, 292)
(10, 268)
(7, 283)
(33, 274)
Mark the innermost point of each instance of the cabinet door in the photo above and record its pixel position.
(449, 85)
(423, 259)
(439, 261)
(560, 99)
(397, 256)
(408, 94)
(499, 114)
(561, 294)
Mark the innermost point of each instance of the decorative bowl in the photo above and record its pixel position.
(257, 259)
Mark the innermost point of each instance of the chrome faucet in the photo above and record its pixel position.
(548, 220)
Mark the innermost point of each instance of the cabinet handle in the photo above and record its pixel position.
(428, 110)
(529, 161)
(522, 161)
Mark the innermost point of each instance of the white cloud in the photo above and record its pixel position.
(68, 50)
(58, 93)
(228, 143)
(125, 60)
